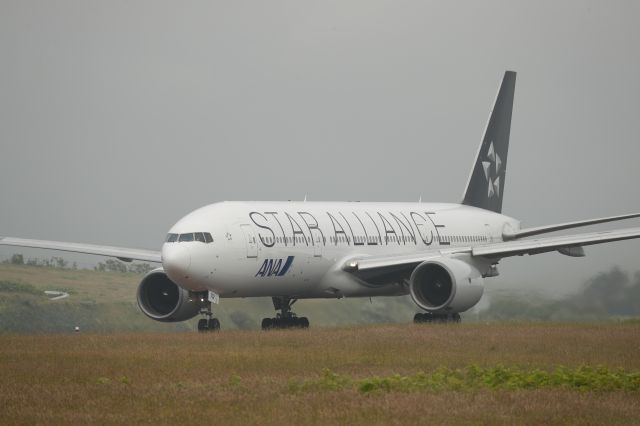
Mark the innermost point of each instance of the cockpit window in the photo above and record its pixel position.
(186, 237)
(201, 237)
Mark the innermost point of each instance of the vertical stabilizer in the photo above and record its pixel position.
(485, 187)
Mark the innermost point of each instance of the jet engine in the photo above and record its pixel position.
(446, 285)
(163, 300)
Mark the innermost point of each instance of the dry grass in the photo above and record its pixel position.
(243, 377)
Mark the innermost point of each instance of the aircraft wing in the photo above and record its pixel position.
(124, 254)
(547, 244)
(528, 232)
(383, 264)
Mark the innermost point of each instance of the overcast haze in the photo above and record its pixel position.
(118, 118)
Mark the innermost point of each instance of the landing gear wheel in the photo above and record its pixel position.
(214, 324)
(304, 322)
(286, 318)
(428, 317)
(267, 323)
(208, 323)
(421, 318)
(203, 325)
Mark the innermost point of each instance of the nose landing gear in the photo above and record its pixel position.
(286, 318)
(209, 323)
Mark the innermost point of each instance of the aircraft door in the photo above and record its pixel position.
(250, 238)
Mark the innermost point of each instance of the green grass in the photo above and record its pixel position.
(473, 377)
(7, 286)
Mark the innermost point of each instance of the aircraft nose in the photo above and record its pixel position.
(176, 261)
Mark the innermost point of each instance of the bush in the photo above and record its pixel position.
(473, 377)
(16, 287)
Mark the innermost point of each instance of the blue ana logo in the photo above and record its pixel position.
(274, 267)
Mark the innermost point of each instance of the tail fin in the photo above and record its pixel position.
(486, 181)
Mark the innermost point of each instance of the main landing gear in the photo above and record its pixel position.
(208, 323)
(286, 318)
(428, 317)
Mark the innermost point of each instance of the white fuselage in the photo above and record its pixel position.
(298, 248)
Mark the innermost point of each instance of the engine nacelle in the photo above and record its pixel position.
(446, 285)
(163, 300)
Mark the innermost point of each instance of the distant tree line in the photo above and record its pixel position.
(614, 293)
(53, 262)
(111, 265)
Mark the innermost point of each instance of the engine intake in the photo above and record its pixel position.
(446, 285)
(163, 300)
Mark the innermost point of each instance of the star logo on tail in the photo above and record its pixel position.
(492, 168)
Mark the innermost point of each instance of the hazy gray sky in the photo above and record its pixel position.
(119, 117)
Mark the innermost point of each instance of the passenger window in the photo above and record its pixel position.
(208, 238)
(199, 236)
(172, 238)
(185, 237)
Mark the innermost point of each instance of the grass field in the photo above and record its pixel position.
(106, 302)
(288, 377)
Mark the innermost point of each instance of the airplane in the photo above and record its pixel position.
(438, 253)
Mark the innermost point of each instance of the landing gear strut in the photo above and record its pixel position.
(209, 323)
(428, 317)
(286, 318)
